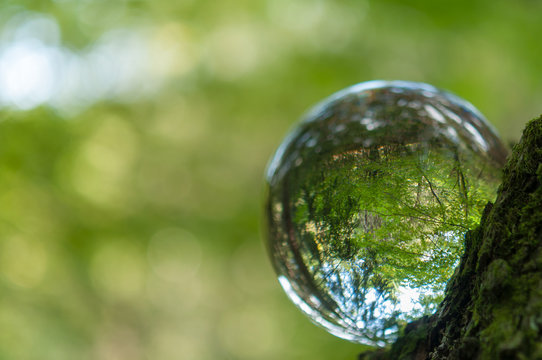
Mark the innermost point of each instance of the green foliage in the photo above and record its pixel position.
(87, 196)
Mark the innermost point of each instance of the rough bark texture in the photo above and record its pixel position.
(493, 304)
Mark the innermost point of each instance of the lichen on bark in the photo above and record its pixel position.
(493, 303)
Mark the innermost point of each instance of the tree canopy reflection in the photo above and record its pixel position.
(367, 213)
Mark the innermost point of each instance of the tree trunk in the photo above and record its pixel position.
(493, 304)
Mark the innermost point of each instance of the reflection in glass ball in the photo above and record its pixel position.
(368, 202)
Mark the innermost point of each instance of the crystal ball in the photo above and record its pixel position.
(368, 201)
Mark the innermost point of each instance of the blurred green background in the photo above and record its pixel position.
(133, 141)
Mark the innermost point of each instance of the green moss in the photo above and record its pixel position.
(497, 277)
(500, 334)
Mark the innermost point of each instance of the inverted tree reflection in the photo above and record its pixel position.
(367, 219)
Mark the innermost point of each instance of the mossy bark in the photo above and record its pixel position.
(493, 304)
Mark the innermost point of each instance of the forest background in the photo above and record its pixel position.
(133, 141)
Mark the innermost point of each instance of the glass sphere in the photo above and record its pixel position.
(368, 201)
